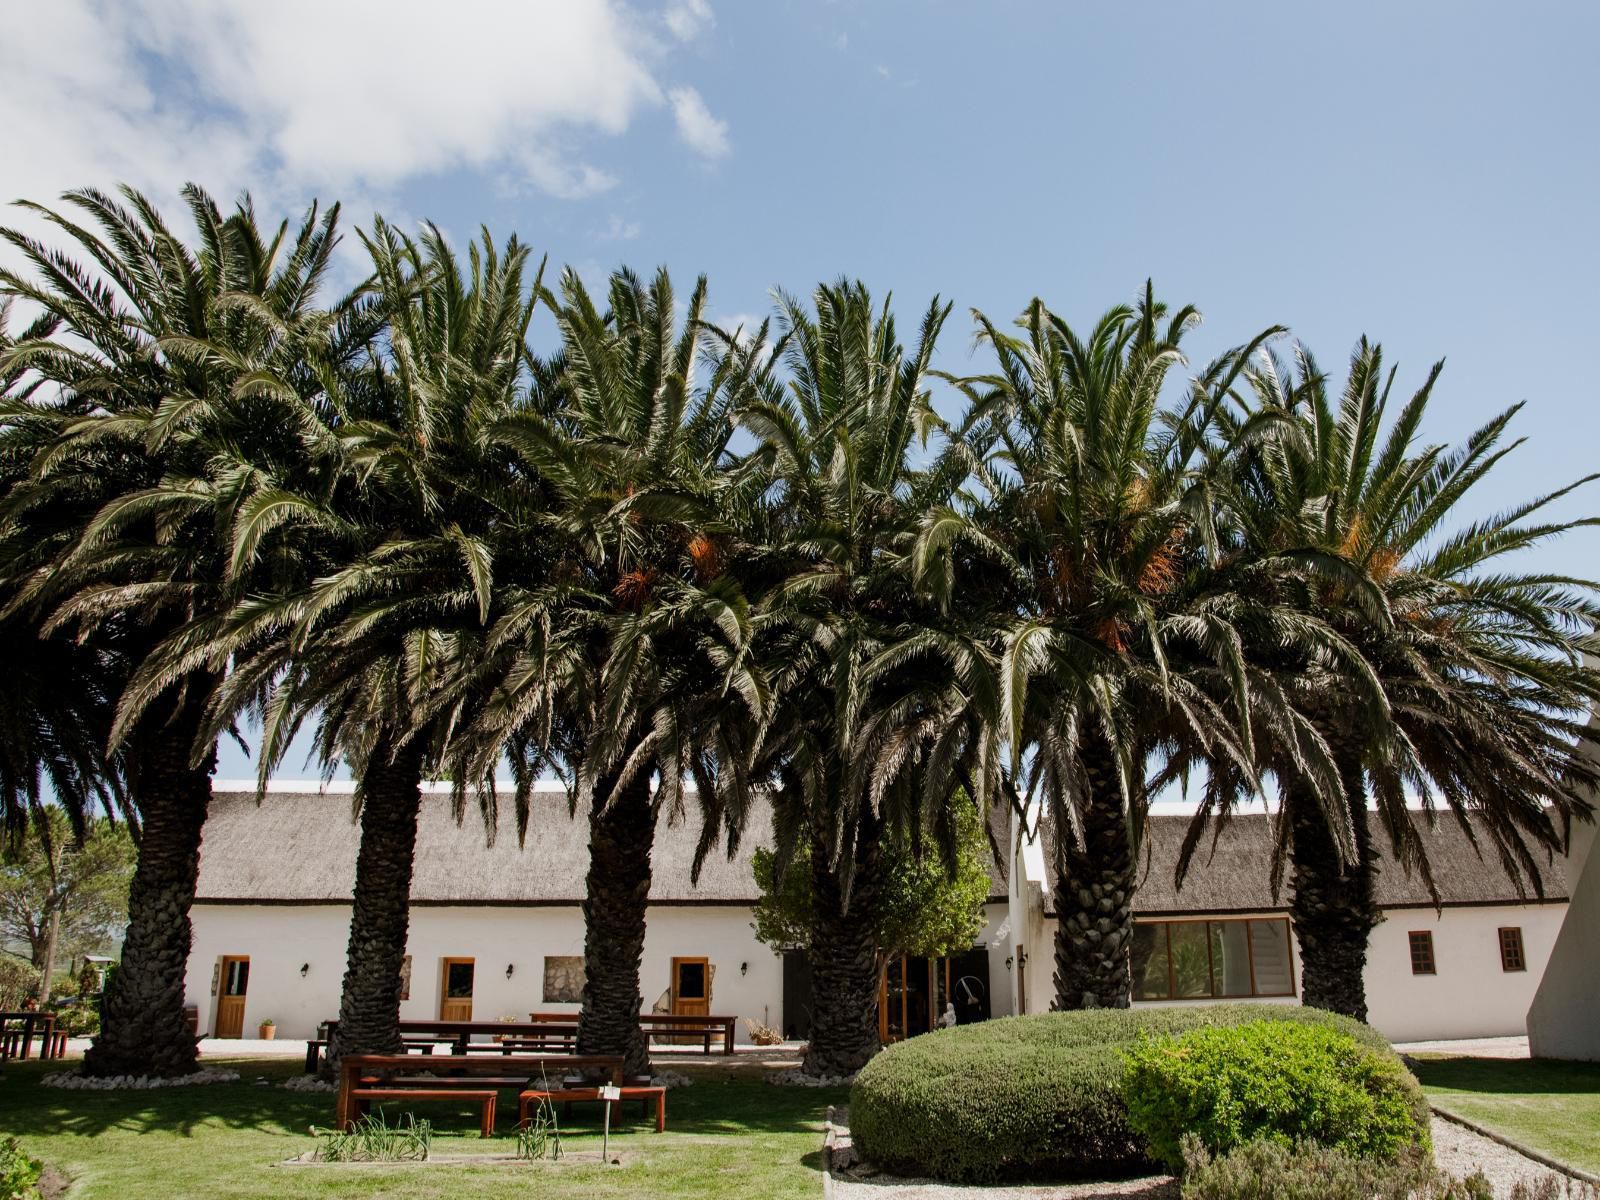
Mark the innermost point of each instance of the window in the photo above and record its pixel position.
(1511, 956)
(1192, 960)
(1422, 952)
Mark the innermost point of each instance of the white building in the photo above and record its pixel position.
(1466, 968)
(496, 930)
(272, 916)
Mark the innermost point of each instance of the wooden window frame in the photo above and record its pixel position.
(1520, 951)
(1423, 938)
(1211, 965)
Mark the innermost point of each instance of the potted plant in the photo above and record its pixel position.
(268, 1030)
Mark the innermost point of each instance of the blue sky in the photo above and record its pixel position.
(1425, 173)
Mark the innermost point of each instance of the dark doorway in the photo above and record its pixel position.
(796, 995)
(969, 986)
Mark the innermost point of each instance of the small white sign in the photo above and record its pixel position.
(611, 1092)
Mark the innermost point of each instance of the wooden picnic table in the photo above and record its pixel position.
(458, 1035)
(17, 1030)
(675, 1025)
(364, 1078)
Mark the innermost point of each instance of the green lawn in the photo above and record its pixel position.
(1549, 1106)
(728, 1135)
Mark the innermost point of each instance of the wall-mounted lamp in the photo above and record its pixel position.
(744, 968)
(305, 969)
(510, 969)
(1008, 962)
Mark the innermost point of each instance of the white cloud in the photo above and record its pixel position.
(703, 133)
(619, 230)
(302, 97)
(688, 18)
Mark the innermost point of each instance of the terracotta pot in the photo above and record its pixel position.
(268, 1032)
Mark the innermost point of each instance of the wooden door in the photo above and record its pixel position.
(233, 986)
(455, 989)
(691, 986)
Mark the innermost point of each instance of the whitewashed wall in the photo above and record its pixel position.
(1561, 1019)
(1470, 996)
(280, 938)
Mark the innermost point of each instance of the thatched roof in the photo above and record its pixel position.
(1236, 875)
(299, 847)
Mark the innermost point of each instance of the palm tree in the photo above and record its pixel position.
(620, 663)
(1103, 502)
(1460, 680)
(878, 683)
(404, 516)
(56, 708)
(147, 368)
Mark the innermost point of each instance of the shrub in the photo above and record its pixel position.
(18, 981)
(1029, 1097)
(18, 1172)
(1269, 1170)
(1288, 1084)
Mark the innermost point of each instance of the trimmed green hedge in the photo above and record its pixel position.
(1030, 1097)
(1290, 1085)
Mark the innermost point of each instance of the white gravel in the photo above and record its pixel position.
(1456, 1149)
(1460, 1151)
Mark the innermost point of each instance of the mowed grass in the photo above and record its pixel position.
(730, 1134)
(1549, 1106)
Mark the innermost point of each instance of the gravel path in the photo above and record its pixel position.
(1460, 1151)
(1456, 1149)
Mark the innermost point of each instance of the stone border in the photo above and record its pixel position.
(830, 1143)
(1537, 1156)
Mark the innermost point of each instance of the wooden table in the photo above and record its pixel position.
(18, 1028)
(371, 1075)
(458, 1035)
(661, 1025)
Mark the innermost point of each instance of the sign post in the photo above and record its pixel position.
(610, 1093)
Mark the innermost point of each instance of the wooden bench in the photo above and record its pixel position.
(570, 1095)
(316, 1046)
(374, 1075)
(663, 1026)
(487, 1098)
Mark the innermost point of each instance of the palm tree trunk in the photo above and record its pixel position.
(844, 957)
(1095, 883)
(622, 831)
(1333, 909)
(143, 1030)
(380, 915)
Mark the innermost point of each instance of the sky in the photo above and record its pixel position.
(1423, 173)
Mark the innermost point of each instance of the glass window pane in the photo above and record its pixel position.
(238, 977)
(1191, 960)
(691, 981)
(1230, 958)
(458, 981)
(1269, 945)
(1150, 962)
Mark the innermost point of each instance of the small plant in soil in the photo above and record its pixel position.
(372, 1139)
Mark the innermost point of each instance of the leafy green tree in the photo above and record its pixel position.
(144, 368)
(63, 898)
(924, 908)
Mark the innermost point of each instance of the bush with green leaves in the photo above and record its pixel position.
(1030, 1097)
(372, 1139)
(19, 981)
(18, 1173)
(1288, 1084)
(1269, 1170)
